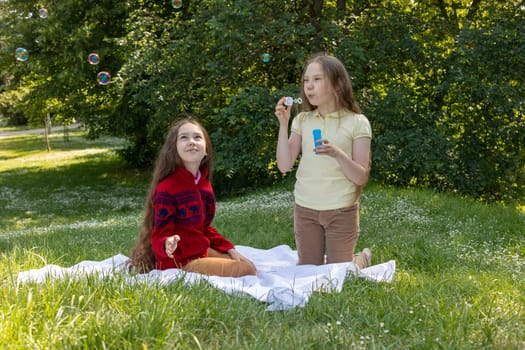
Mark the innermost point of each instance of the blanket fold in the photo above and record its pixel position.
(280, 282)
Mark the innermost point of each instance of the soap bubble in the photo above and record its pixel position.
(288, 101)
(265, 57)
(177, 4)
(103, 78)
(42, 12)
(93, 58)
(21, 54)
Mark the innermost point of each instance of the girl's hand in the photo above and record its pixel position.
(282, 112)
(328, 149)
(171, 244)
(235, 255)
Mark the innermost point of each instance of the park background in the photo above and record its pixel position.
(441, 82)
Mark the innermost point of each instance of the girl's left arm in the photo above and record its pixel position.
(356, 167)
(217, 241)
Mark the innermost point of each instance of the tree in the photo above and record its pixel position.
(441, 81)
(57, 76)
(484, 107)
(443, 88)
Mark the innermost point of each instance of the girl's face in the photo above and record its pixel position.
(317, 87)
(191, 145)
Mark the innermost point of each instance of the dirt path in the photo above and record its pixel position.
(37, 131)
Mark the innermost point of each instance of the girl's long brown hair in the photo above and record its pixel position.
(168, 160)
(336, 72)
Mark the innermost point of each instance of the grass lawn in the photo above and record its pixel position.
(459, 282)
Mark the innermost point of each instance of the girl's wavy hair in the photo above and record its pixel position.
(336, 73)
(142, 259)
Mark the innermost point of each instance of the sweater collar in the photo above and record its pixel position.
(187, 176)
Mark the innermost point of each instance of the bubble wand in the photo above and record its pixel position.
(288, 101)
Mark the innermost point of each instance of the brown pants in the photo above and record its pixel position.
(219, 264)
(333, 232)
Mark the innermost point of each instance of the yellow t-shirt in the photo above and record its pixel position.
(321, 184)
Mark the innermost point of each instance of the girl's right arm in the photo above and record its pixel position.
(287, 149)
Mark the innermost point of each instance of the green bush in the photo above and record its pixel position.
(409, 147)
(452, 119)
(484, 110)
(9, 108)
(244, 138)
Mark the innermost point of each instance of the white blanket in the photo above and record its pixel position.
(280, 282)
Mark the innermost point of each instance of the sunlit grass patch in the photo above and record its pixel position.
(261, 201)
(55, 158)
(30, 150)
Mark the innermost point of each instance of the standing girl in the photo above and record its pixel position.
(176, 231)
(331, 176)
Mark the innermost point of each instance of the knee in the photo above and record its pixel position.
(247, 269)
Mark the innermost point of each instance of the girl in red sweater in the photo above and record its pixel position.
(176, 231)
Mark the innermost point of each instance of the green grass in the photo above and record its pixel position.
(459, 282)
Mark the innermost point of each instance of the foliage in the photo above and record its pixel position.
(449, 113)
(57, 75)
(244, 141)
(484, 109)
(441, 81)
(9, 107)
(196, 60)
(459, 281)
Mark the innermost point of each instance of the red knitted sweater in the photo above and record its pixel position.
(186, 209)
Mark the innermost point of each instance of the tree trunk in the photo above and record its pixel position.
(47, 129)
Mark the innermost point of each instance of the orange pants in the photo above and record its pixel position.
(220, 264)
